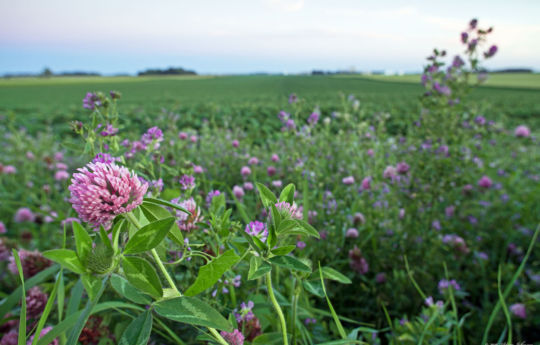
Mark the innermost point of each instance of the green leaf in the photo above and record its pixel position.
(287, 194)
(91, 285)
(260, 244)
(332, 274)
(142, 275)
(314, 288)
(128, 291)
(286, 224)
(149, 236)
(48, 309)
(308, 228)
(105, 238)
(83, 242)
(166, 203)
(154, 212)
(290, 263)
(258, 268)
(267, 197)
(274, 338)
(193, 311)
(210, 273)
(75, 298)
(67, 258)
(120, 226)
(283, 250)
(138, 331)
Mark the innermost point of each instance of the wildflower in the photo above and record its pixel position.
(358, 218)
(449, 211)
(9, 169)
(109, 131)
(238, 192)
(444, 284)
(3, 229)
(253, 161)
(313, 118)
(197, 169)
(370, 152)
(187, 182)
(193, 139)
(480, 120)
(473, 23)
(458, 61)
(257, 229)
(24, 214)
(464, 37)
(485, 182)
(91, 101)
(153, 134)
(271, 170)
(247, 321)
(300, 244)
(104, 158)
(390, 172)
(402, 168)
(401, 213)
(309, 321)
(457, 242)
(348, 180)
(248, 186)
(100, 192)
(275, 158)
(188, 222)
(522, 131)
(380, 278)
(182, 135)
(31, 262)
(518, 309)
(366, 183)
(70, 220)
(61, 175)
(357, 262)
(293, 98)
(429, 302)
(35, 302)
(290, 125)
(283, 116)
(245, 171)
(492, 51)
(115, 94)
(10, 338)
(233, 338)
(44, 331)
(467, 189)
(277, 183)
(351, 233)
(287, 210)
(312, 215)
(235, 143)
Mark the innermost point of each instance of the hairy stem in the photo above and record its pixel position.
(277, 308)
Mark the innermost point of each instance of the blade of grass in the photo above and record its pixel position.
(339, 326)
(46, 311)
(510, 285)
(22, 316)
(505, 309)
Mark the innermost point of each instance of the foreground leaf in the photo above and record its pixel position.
(138, 331)
(142, 275)
(210, 273)
(149, 236)
(67, 258)
(128, 291)
(290, 263)
(193, 311)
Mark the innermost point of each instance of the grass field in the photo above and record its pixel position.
(58, 100)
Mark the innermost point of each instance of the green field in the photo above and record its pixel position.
(58, 100)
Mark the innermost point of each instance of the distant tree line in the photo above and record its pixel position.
(168, 71)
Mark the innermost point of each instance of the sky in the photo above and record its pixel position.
(246, 36)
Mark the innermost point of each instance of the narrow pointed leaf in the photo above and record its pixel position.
(67, 258)
(149, 236)
(210, 273)
(142, 275)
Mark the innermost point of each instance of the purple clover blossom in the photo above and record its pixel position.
(257, 229)
(492, 51)
(187, 182)
(313, 118)
(289, 211)
(444, 284)
(100, 192)
(91, 101)
(457, 62)
(109, 131)
(233, 338)
(104, 158)
(153, 134)
(293, 98)
(283, 116)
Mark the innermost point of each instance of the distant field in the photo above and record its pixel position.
(58, 100)
(520, 80)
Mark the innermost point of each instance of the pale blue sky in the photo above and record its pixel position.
(113, 36)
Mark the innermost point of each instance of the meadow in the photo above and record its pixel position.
(337, 209)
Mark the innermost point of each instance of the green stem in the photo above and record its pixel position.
(294, 304)
(277, 308)
(135, 222)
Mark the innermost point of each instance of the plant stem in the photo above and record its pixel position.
(277, 308)
(135, 222)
